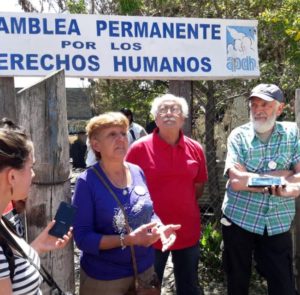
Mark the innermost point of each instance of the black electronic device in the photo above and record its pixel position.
(265, 181)
(64, 218)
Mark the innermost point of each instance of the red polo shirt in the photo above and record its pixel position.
(171, 174)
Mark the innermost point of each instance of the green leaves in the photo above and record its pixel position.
(130, 7)
(78, 6)
(112, 95)
(211, 254)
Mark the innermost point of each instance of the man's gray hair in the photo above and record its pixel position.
(158, 101)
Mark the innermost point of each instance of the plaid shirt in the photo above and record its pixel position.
(256, 211)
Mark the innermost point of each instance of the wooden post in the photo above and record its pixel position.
(297, 218)
(7, 98)
(184, 89)
(42, 110)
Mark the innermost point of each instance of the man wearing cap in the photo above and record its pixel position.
(257, 219)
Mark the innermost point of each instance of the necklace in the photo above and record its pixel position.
(119, 179)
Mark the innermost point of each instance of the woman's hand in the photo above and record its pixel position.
(150, 233)
(145, 235)
(45, 242)
(167, 234)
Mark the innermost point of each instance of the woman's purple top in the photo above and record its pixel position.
(98, 214)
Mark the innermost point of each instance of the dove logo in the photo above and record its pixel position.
(241, 44)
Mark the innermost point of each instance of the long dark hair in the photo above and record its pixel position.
(15, 145)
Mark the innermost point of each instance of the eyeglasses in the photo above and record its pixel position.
(173, 110)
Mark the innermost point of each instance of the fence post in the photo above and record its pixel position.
(297, 218)
(42, 110)
(7, 98)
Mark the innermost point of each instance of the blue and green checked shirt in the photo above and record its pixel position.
(256, 211)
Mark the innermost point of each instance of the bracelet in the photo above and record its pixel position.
(122, 238)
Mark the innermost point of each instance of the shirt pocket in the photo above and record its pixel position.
(283, 162)
(192, 169)
(254, 165)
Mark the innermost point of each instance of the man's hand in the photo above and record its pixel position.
(240, 167)
(239, 177)
(291, 190)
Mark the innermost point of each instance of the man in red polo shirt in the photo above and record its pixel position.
(175, 169)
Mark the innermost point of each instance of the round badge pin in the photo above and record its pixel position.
(272, 165)
(139, 190)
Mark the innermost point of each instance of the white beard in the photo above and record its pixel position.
(262, 127)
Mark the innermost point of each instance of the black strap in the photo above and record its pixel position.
(132, 134)
(6, 235)
(128, 229)
(8, 253)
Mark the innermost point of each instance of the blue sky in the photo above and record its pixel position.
(9, 5)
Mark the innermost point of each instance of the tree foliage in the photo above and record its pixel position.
(279, 52)
(113, 95)
(78, 7)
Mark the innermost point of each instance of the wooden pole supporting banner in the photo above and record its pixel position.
(42, 110)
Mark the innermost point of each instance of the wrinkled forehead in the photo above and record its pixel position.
(115, 126)
(169, 103)
(258, 100)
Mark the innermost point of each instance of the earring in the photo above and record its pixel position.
(11, 190)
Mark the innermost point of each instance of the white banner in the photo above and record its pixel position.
(102, 46)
